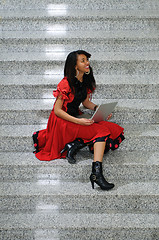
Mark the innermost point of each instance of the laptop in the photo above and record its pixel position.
(101, 113)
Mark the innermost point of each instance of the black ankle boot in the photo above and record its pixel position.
(72, 149)
(98, 178)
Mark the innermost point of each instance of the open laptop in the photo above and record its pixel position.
(101, 113)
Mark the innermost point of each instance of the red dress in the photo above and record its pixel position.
(50, 141)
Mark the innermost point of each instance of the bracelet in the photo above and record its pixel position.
(95, 107)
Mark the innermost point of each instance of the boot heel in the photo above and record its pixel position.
(92, 179)
(72, 148)
(98, 178)
(63, 150)
(92, 182)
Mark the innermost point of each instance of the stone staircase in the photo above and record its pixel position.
(54, 200)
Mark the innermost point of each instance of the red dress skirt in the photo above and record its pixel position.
(50, 141)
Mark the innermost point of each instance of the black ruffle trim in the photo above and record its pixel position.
(35, 141)
(110, 143)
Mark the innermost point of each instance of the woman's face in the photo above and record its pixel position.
(82, 64)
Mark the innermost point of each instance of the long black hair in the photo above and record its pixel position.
(70, 71)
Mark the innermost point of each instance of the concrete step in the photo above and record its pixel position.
(74, 197)
(60, 56)
(83, 4)
(118, 166)
(112, 86)
(62, 10)
(37, 111)
(107, 67)
(94, 45)
(138, 137)
(55, 225)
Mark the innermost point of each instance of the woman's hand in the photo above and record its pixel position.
(85, 121)
(109, 116)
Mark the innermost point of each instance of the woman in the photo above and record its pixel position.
(66, 133)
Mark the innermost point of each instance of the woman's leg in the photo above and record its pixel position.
(97, 172)
(99, 148)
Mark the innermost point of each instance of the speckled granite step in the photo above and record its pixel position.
(107, 67)
(83, 4)
(90, 233)
(37, 111)
(61, 33)
(118, 166)
(61, 10)
(77, 23)
(64, 196)
(22, 159)
(52, 80)
(58, 56)
(91, 226)
(92, 45)
(72, 234)
(138, 137)
(111, 86)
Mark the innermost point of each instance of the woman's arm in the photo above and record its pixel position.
(62, 114)
(88, 104)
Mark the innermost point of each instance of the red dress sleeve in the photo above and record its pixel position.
(63, 89)
(90, 93)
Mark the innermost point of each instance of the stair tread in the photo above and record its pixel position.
(47, 104)
(61, 56)
(133, 158)
(63, 45)
(63, 34)
(54, 79)
(118, 167)
(62, 12)
(83, 4)
(44, 185)
(54, 219)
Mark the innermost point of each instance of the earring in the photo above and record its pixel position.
(77, 73)
(87, 72)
